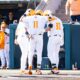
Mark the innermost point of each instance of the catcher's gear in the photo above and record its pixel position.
(47, 13)
(39, 12)
(50, 25)
(30, 12)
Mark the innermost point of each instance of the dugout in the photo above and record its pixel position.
(18, 7)
(69, 54)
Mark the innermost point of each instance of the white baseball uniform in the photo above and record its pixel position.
(56, 40)
(35, 28)
(23, 42)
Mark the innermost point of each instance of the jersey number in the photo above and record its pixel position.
(35, 24)
(58, 26)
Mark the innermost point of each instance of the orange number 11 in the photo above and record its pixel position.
(35, 24)
(58, 26)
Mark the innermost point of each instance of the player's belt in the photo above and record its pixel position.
(36, 34)
(55, 35)
(39, 34)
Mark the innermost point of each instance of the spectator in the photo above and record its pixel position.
(11, 19)
(5, 49)
(72, 8)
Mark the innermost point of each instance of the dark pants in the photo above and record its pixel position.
(75, 18)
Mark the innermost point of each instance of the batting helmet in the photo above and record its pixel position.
(30, 12)
(39, 12)
(47, 13)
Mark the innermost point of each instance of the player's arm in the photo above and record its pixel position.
(22, 18)
(19, 27)
(67, 7)
(16, 35)
(7, 32)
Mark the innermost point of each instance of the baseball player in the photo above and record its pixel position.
(22, 39)
(56, 39)
(36, 29)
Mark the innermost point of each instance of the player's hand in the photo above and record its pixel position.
(15, 42)
(48, 29)
(30, 37)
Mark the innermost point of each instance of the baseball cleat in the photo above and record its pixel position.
(2, 67)
(38, 72)
(22, 71)
(55, 71)
(30, 72)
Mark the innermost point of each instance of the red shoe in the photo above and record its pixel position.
(29, 70)
(28, 73)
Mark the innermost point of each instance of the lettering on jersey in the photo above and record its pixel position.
(58, 26)
(36, 24)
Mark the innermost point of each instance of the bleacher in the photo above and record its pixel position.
(60, 12)
(57, 7)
